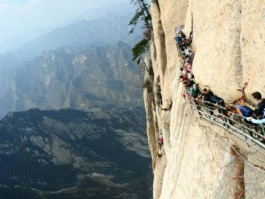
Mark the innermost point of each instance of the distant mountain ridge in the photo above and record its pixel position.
(50, 82)
(77, 127)
(97, 76)
(121, 8)
(107, 29)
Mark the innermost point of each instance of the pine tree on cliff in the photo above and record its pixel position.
(142, 14)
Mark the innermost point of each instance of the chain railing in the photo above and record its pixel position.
(250, 133)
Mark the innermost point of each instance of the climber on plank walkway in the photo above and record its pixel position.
(249, 123)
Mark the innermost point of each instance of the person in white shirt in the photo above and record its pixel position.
(257, 114)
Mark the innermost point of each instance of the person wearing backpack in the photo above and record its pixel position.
(205, 97)
(219, 103)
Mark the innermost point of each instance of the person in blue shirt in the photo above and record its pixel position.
(244, 111)
(239, 113)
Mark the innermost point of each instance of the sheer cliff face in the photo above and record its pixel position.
(229, 38)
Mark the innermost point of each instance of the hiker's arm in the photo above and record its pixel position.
(262, 121)
(239, 112)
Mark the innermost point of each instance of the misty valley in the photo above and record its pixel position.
(73, 121)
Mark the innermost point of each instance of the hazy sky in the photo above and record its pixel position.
(21, 17)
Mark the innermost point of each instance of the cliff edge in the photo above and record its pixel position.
(199, 159)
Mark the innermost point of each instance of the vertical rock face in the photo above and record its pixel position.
(197, 161)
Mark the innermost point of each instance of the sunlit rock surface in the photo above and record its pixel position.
(197, 159)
